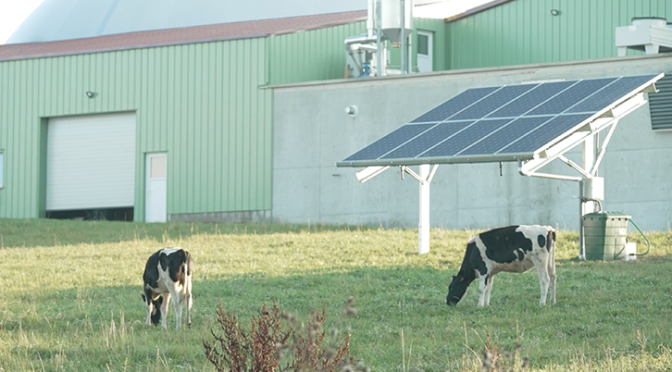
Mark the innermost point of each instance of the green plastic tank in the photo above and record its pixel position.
(605, 235)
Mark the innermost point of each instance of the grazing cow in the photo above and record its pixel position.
(168, 274)
(513, 249)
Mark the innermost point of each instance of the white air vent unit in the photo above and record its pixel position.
(649, 34)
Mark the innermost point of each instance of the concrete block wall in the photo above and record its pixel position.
(312, 132)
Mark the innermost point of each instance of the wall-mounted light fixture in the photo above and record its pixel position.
(352, 110)
(555, 12)
(90, 94)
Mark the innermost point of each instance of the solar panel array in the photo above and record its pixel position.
(504, 123)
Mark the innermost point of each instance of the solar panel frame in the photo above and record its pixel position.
(479, 142)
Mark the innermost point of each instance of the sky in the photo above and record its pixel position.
(12, 13)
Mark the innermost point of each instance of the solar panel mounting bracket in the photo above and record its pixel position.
(530, 167)
(607, 118)
(650, 89)
(405, 169)
(368, 173)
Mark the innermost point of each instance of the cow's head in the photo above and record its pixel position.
(156, 313)
(457, 289)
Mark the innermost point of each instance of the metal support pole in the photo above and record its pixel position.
(588, 161)
(379, 48)
(402, 66)
(582, 246)
(584, 206)
(370, 23)
(423, 219)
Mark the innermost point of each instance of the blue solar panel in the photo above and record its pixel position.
(610, 94)
(455, 104)
(507, 123)
(427, 140)
(492, 102)
(456, 143)
(505, 136)
(389, 142)
(570, 97)
(545, 133)
(531, 99)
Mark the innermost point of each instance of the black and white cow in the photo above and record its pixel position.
(168, 274)
(512, 249)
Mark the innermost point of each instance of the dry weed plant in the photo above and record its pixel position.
(495, 360)
(277, 342)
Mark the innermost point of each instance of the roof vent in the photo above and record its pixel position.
(649, 34)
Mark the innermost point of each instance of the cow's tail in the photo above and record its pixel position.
(186, 271)
(187, 263)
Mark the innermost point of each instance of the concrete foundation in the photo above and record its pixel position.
(228, 217)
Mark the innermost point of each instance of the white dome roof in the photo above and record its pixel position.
(73, 19)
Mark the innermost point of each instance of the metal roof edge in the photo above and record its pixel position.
(477, 9)
(318, 27)
(511, 68)
(128, 47)
(356, 16)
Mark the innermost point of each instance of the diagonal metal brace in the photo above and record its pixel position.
(405, 169)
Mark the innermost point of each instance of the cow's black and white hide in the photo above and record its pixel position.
(168, 275)
(156, 305)
(513, 249)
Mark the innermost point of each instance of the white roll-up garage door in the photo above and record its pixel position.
(91, 162)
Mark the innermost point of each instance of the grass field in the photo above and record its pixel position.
(70, 298)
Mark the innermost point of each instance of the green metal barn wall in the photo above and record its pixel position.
(310, 56)
(197, 102)
(524, 31)
(320, 54)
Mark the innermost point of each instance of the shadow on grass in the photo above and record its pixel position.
(398, 308)
(49, 233)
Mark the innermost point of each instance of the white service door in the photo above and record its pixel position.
(155, 198)
(425, 51)
(91, 162)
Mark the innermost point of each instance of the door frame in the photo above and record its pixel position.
(429, 57)
(148, 185)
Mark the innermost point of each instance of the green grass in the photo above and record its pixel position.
(70, 297)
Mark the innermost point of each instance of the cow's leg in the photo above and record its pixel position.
(544, 279)
(551, 273)
(482, 286)
(149, 307)
(488, 289)
(176, 305)
(188, 299)
(164, 309)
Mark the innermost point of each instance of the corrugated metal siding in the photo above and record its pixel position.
(660, 104)
(524, 31)
(198, 102)
(309, 56)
